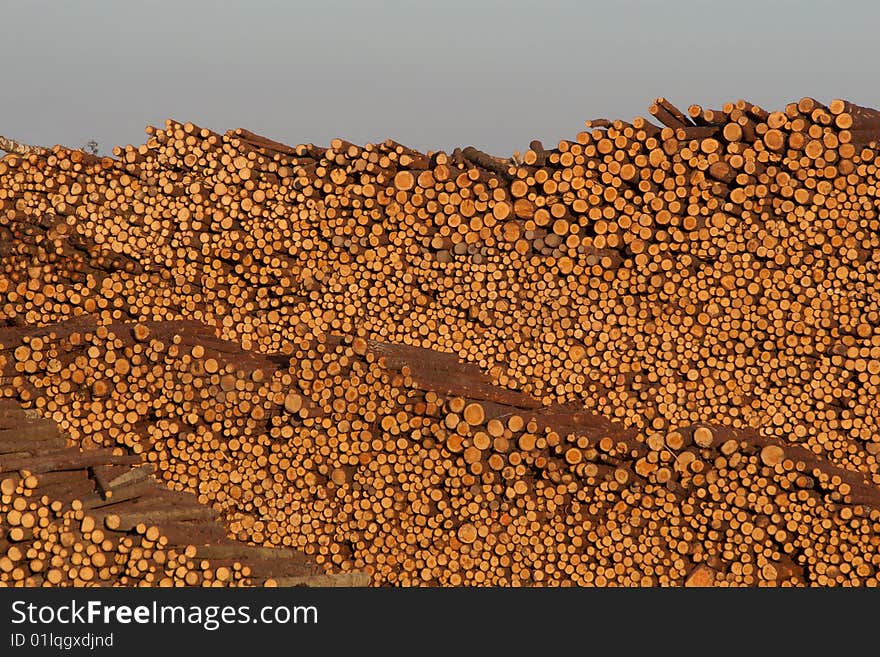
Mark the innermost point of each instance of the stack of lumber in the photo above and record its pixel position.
(99, 518)
(647, 355)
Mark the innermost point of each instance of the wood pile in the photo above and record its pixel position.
(648, 355)
(412, 466)
(98, 517)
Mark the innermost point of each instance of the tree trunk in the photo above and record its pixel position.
(12, 146)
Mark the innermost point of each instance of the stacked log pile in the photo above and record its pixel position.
(98, 518)
(659, 287)
(414, 467)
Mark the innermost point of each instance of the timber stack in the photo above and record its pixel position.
(646, 356)
(97, 517)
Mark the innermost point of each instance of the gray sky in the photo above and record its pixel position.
(430, 75)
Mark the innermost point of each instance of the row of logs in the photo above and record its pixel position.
(714, 267)
(99, 518)
(412, 467)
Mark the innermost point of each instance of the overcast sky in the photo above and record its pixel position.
(431, 75)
